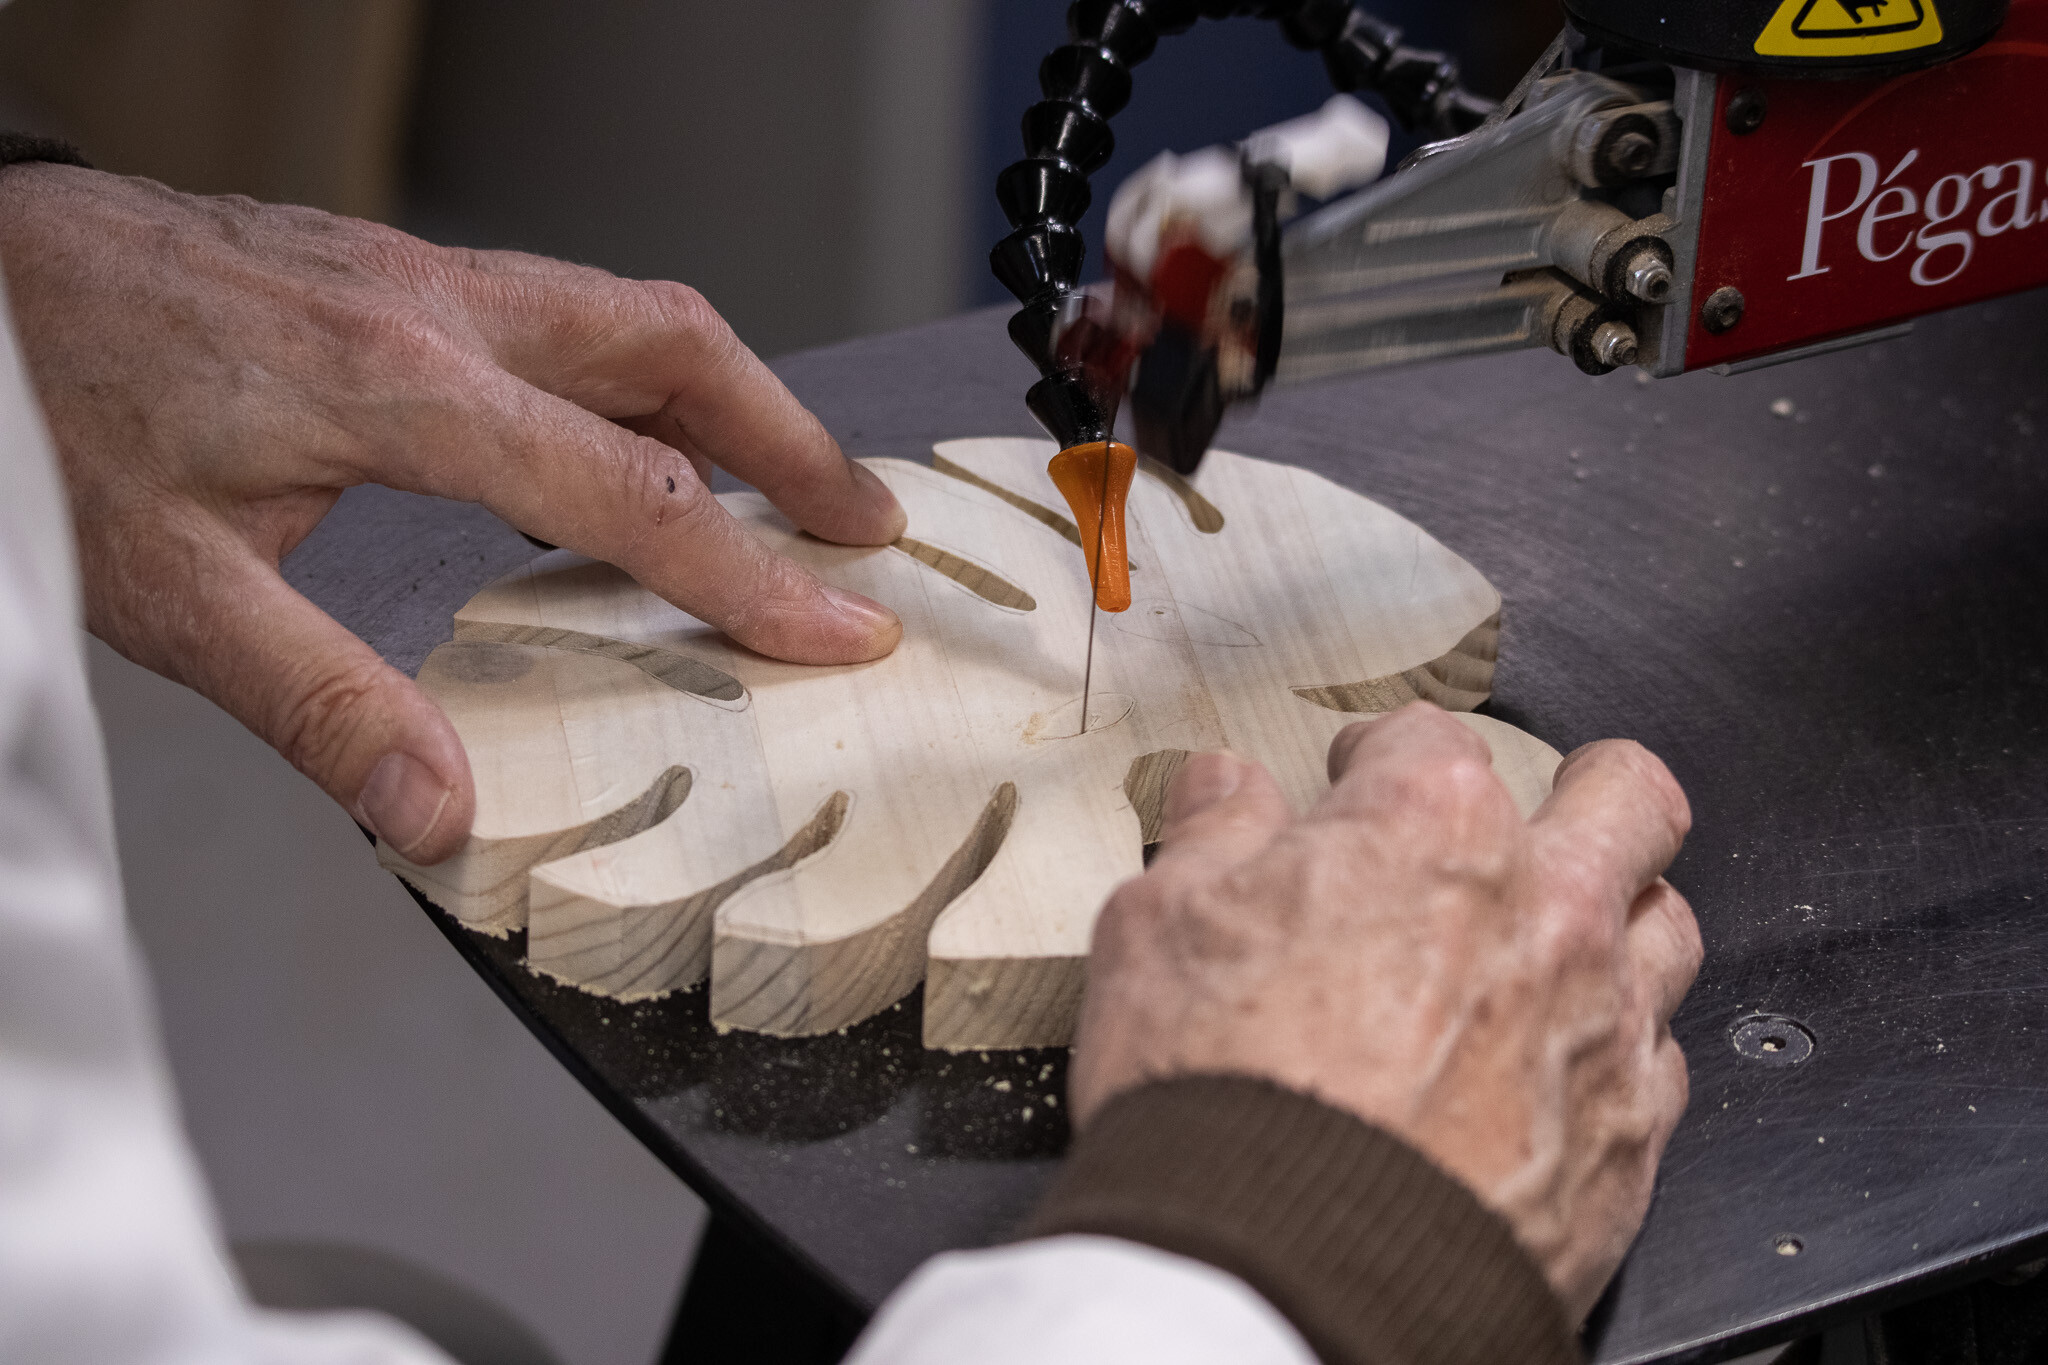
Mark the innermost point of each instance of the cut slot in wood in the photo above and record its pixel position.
(969, 575)
(585, 929)
(776, 972)
(1145, 788)
(679, 671)
(1206, 516)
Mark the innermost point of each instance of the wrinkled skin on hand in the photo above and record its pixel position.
(216, 371)
(1496, 993)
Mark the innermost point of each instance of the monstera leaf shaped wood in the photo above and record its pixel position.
(655, 803)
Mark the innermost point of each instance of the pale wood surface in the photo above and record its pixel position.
(655, 803)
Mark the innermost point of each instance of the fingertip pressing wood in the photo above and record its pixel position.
(932, 815)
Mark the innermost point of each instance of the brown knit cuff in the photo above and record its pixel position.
(32, 147)
(1376, 1256)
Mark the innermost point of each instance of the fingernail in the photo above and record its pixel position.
(878, 493)
(402, 801)
(1203, 781)
(864, 612)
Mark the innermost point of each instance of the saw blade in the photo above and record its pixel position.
(1094, 607)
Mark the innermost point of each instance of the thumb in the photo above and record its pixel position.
(321, 697)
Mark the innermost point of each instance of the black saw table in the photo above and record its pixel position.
(1815, 590)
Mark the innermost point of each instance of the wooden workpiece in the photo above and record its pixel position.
(655, 803)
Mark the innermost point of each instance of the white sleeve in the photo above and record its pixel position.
(109, 1254)
(1077, 1300)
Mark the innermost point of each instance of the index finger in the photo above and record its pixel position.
(658, 352)
(559, 472)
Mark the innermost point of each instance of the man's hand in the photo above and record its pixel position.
(216, 371)
(1496, 993)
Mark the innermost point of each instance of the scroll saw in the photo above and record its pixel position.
(1676, 185)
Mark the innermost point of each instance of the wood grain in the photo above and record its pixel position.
(599, 919)
(1456, 681)
(836, 835)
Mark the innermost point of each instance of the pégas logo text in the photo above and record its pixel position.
(1891, 217)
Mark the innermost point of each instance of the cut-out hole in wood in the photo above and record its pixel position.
(853, 830)
(1039, 512)
(969, 575)
(1207, 517)
(679, 671)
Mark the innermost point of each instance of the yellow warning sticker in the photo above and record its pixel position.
(1849, 28)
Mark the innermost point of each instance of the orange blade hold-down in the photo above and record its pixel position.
(1096, 481)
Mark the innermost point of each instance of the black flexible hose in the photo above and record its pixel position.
(1067, 139)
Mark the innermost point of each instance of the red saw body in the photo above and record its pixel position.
(1859, 204)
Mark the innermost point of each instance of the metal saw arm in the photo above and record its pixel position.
(1697, 199)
